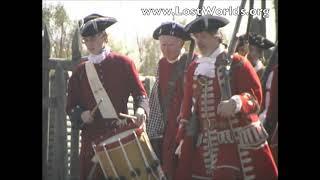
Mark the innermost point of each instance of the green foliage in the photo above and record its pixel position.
(119, 46)
(149, 52)
(60, 29)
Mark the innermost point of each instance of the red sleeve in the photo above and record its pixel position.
(187, 91)
(247, 88)
(136, 86)
(184, 165)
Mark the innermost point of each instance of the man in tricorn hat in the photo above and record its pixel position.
(231, 141)
(98, 91)
(257, 45)
(269, 115)
(242, 45)
(167, 93)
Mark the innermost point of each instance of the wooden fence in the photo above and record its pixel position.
(60, 144)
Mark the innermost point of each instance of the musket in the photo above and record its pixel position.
(251, 3)
(223, 67)
(223, 71)
(192, 44)
(192, 125)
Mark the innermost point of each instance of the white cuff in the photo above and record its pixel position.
(262, 116)
(140, 111)
(178, 150)
(238, 101)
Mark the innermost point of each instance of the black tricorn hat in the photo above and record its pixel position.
(260, 41)
(242, 39)
(171, 29)
(206, 23)
(95, 23)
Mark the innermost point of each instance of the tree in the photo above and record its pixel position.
(60, 29)
(119, 46)
(149, 55)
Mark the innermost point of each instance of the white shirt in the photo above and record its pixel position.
(98, 58)
(206, 66)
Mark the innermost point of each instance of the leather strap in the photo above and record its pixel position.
(106, 108)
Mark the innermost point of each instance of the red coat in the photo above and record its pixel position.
(225, 157)
(120, 78)
(169, 143)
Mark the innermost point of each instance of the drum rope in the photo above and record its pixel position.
(144, 156)
(95, 152)
(154, 156)
(111, 163)
(127, 159)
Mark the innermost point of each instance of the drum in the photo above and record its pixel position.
(128, 155)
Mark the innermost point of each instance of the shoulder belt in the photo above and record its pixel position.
(106, 108)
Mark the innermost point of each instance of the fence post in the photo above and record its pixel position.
(76, 47)
(45, 98)
(51, 126)
(60, 160)
(74, 164)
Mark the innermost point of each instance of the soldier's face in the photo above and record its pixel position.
(94, 43)
(170, 46)
(206, 42)
(254, 53)
(243, 49)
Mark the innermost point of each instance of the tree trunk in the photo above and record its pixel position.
(61, 42)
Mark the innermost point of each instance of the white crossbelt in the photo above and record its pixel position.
(106, 108)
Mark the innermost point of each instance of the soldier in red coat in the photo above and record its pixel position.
(118, 78)
(257, 45)
(269, 116)
(167, 93)
(230, 142)
(242, 45)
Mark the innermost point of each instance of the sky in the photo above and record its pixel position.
(132, 23)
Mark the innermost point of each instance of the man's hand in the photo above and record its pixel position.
(178, 149)
(87, 117)
(141, 116)
(181, 130)
(227, 108)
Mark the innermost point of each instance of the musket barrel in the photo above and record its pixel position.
(233, 41)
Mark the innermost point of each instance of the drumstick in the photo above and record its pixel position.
(95, 108)
(128, 116)
(93, 111)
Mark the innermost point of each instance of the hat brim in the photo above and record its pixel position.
(182, 35)
(97, 25)
(206, 23)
